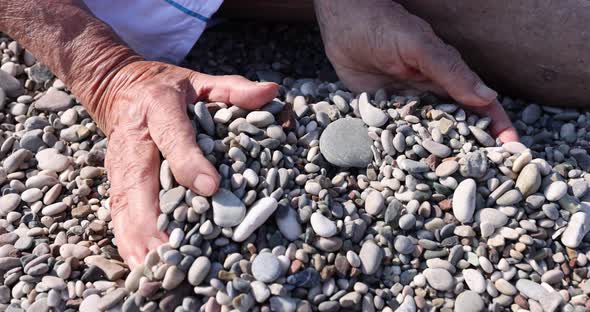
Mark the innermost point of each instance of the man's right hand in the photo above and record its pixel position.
(146, 104)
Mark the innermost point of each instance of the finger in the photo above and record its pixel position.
(501, 125)
(444, 65)
(133, 167)
(235, 90)
(172, 132)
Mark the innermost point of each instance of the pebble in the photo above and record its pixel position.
(474, 280)
(446, 168)
(529, 180)
(555, 191)
(322, 226)
(482, 137)
(371, 255)
(54, 101)
(371, 115)
(256, 216)
(346, 143)
(266, 267)
(439, 279)
(8, 203)
(228, 210)
(464, 200)
(51, 159)
(203, 117)
(404, 245)
(578, 226)
(374, 203)
(199, 270)
(369, 202)
(54, 209)
(437, 149)
(469, 301)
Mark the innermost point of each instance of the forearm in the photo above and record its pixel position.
(80, 49)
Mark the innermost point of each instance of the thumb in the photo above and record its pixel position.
(234, 89)
(444, 65)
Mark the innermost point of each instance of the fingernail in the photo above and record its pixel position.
(205, 184)
(485, 92)
(267, 83)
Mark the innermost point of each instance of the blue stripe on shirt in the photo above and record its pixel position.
(187, 10)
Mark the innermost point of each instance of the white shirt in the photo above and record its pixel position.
(163, 30)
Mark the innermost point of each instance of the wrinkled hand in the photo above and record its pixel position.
(378, 44)
(147, 104)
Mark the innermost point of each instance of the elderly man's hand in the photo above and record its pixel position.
(378, 44)
(146, 106)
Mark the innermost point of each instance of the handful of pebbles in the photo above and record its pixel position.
(329, 201)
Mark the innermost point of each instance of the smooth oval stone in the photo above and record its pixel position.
(322, 226)
(474, 280)
(504, 287)
(228, 209)
(370, 114)
(53, 209)
(328, 244)
(51, 159)
(266, 267)
(256, 216)
(173, 277)
(8, 203)
(203, 117)
(509, 198)
(464, 200)
(555, 191)
(346, 143)
(531, 113)
(482, 137)
(577, 227)
(374, 203)
(260, 118)
(54, 101)
(529, 180)
(552, 276)
(491, 216)
(171, 199)
(31, 195)
(436, 149)
(199, 270)
(176, 238)
(446, 168)
(514, 147)
(371, 255)
(387, 142)
(413, 166)
(469, 301)
(404, 245)
(439, 279)
(286, 219)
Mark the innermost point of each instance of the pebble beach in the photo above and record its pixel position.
(329, 200)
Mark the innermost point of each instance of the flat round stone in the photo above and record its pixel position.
(266, 267)
(346, 143)
(439, 279)
(469, 301)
